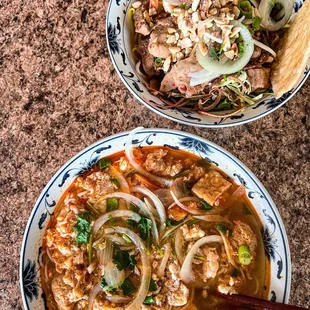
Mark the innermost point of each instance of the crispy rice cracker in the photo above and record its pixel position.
(293, 54)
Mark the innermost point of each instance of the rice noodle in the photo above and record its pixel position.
(137, 167)
(265, 47)
(162, 267)
(114, 214)
(186, 273)
(40, 258)
(49, 255)
(213, 218)
(178, 246)
(93, 294)
(157, 203)
(140, 204)
(142, 291)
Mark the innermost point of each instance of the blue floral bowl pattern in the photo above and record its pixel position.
(273, 232)
(119, 47)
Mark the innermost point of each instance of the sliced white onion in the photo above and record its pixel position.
(230, 66)
(117, 299)
(124, 187)
(265, 8)
(203, 23)
(137, 167)
(213, 38)
(114, 214)
(156, 201)
(140, 204)
(173, 2)
(162, 267)
(150, 206)
(170, 231)
(213, 218)
(136, 303)
(179, 203)
(93, 294)
(178, 246)
(179, 188)
(186, 272)
(265, 47)
(201, 77)
(112, 275)
(117, 239)
(49, 255)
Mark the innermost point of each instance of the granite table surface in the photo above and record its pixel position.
(59, 93)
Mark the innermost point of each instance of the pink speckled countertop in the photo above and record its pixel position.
(59, 93)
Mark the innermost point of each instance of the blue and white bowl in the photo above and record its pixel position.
(118, 37)
(273, 232)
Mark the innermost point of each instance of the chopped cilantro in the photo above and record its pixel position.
(127, 287)
(132, 262)
(103, 283)
(145, 226)
(112, 204)
(224, 105)
(115, 182)
(205, 205)
(104, 163)
(256, 23)
(172, 223)
(213, 54)
(222, 228)
(82, 228)
(153, 286)
(121, 259)
(149, 300)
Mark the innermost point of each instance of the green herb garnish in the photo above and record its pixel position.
(145, 226)
(115, 182)
(104, 163)
(149, 300)
(222, 228)
(245, 8)
(131, 223)
(153, 286)
(213, 54)
(172, 223)
(158, 62)
(103, 283)
(121, 259)
(90, 248)
(205, 205)
(112, 204)
(181, 174)
(132, 262)
(225, 105)
(82, 228)
(256, 23)
(127, 287)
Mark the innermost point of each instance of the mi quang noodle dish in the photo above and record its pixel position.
(152, 228)
(210, 56)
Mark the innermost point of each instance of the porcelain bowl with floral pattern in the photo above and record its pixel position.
(118, 39)
(273, 231)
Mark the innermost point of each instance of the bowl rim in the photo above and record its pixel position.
(188, 122)
(218, 148)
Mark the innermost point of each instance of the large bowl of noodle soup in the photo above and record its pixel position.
(154, 217)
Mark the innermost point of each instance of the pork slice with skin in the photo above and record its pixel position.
(177, 78)
(259, 78)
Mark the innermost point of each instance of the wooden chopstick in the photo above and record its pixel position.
(256, 302)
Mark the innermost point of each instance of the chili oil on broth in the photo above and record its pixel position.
(240, 210)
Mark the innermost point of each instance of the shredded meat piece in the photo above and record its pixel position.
(229, 285)
(196, 172)
(211, 265)
(159, 164)
(141, 26)
(146, 57)
(61, 292)
(176, 213)
(158, 46)
(211, 186)
(243, 234)
(100, 304)
(177, 78)
(179, 297)
(192, 233)
(259, 78)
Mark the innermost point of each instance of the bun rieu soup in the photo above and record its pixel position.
(152, 228)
